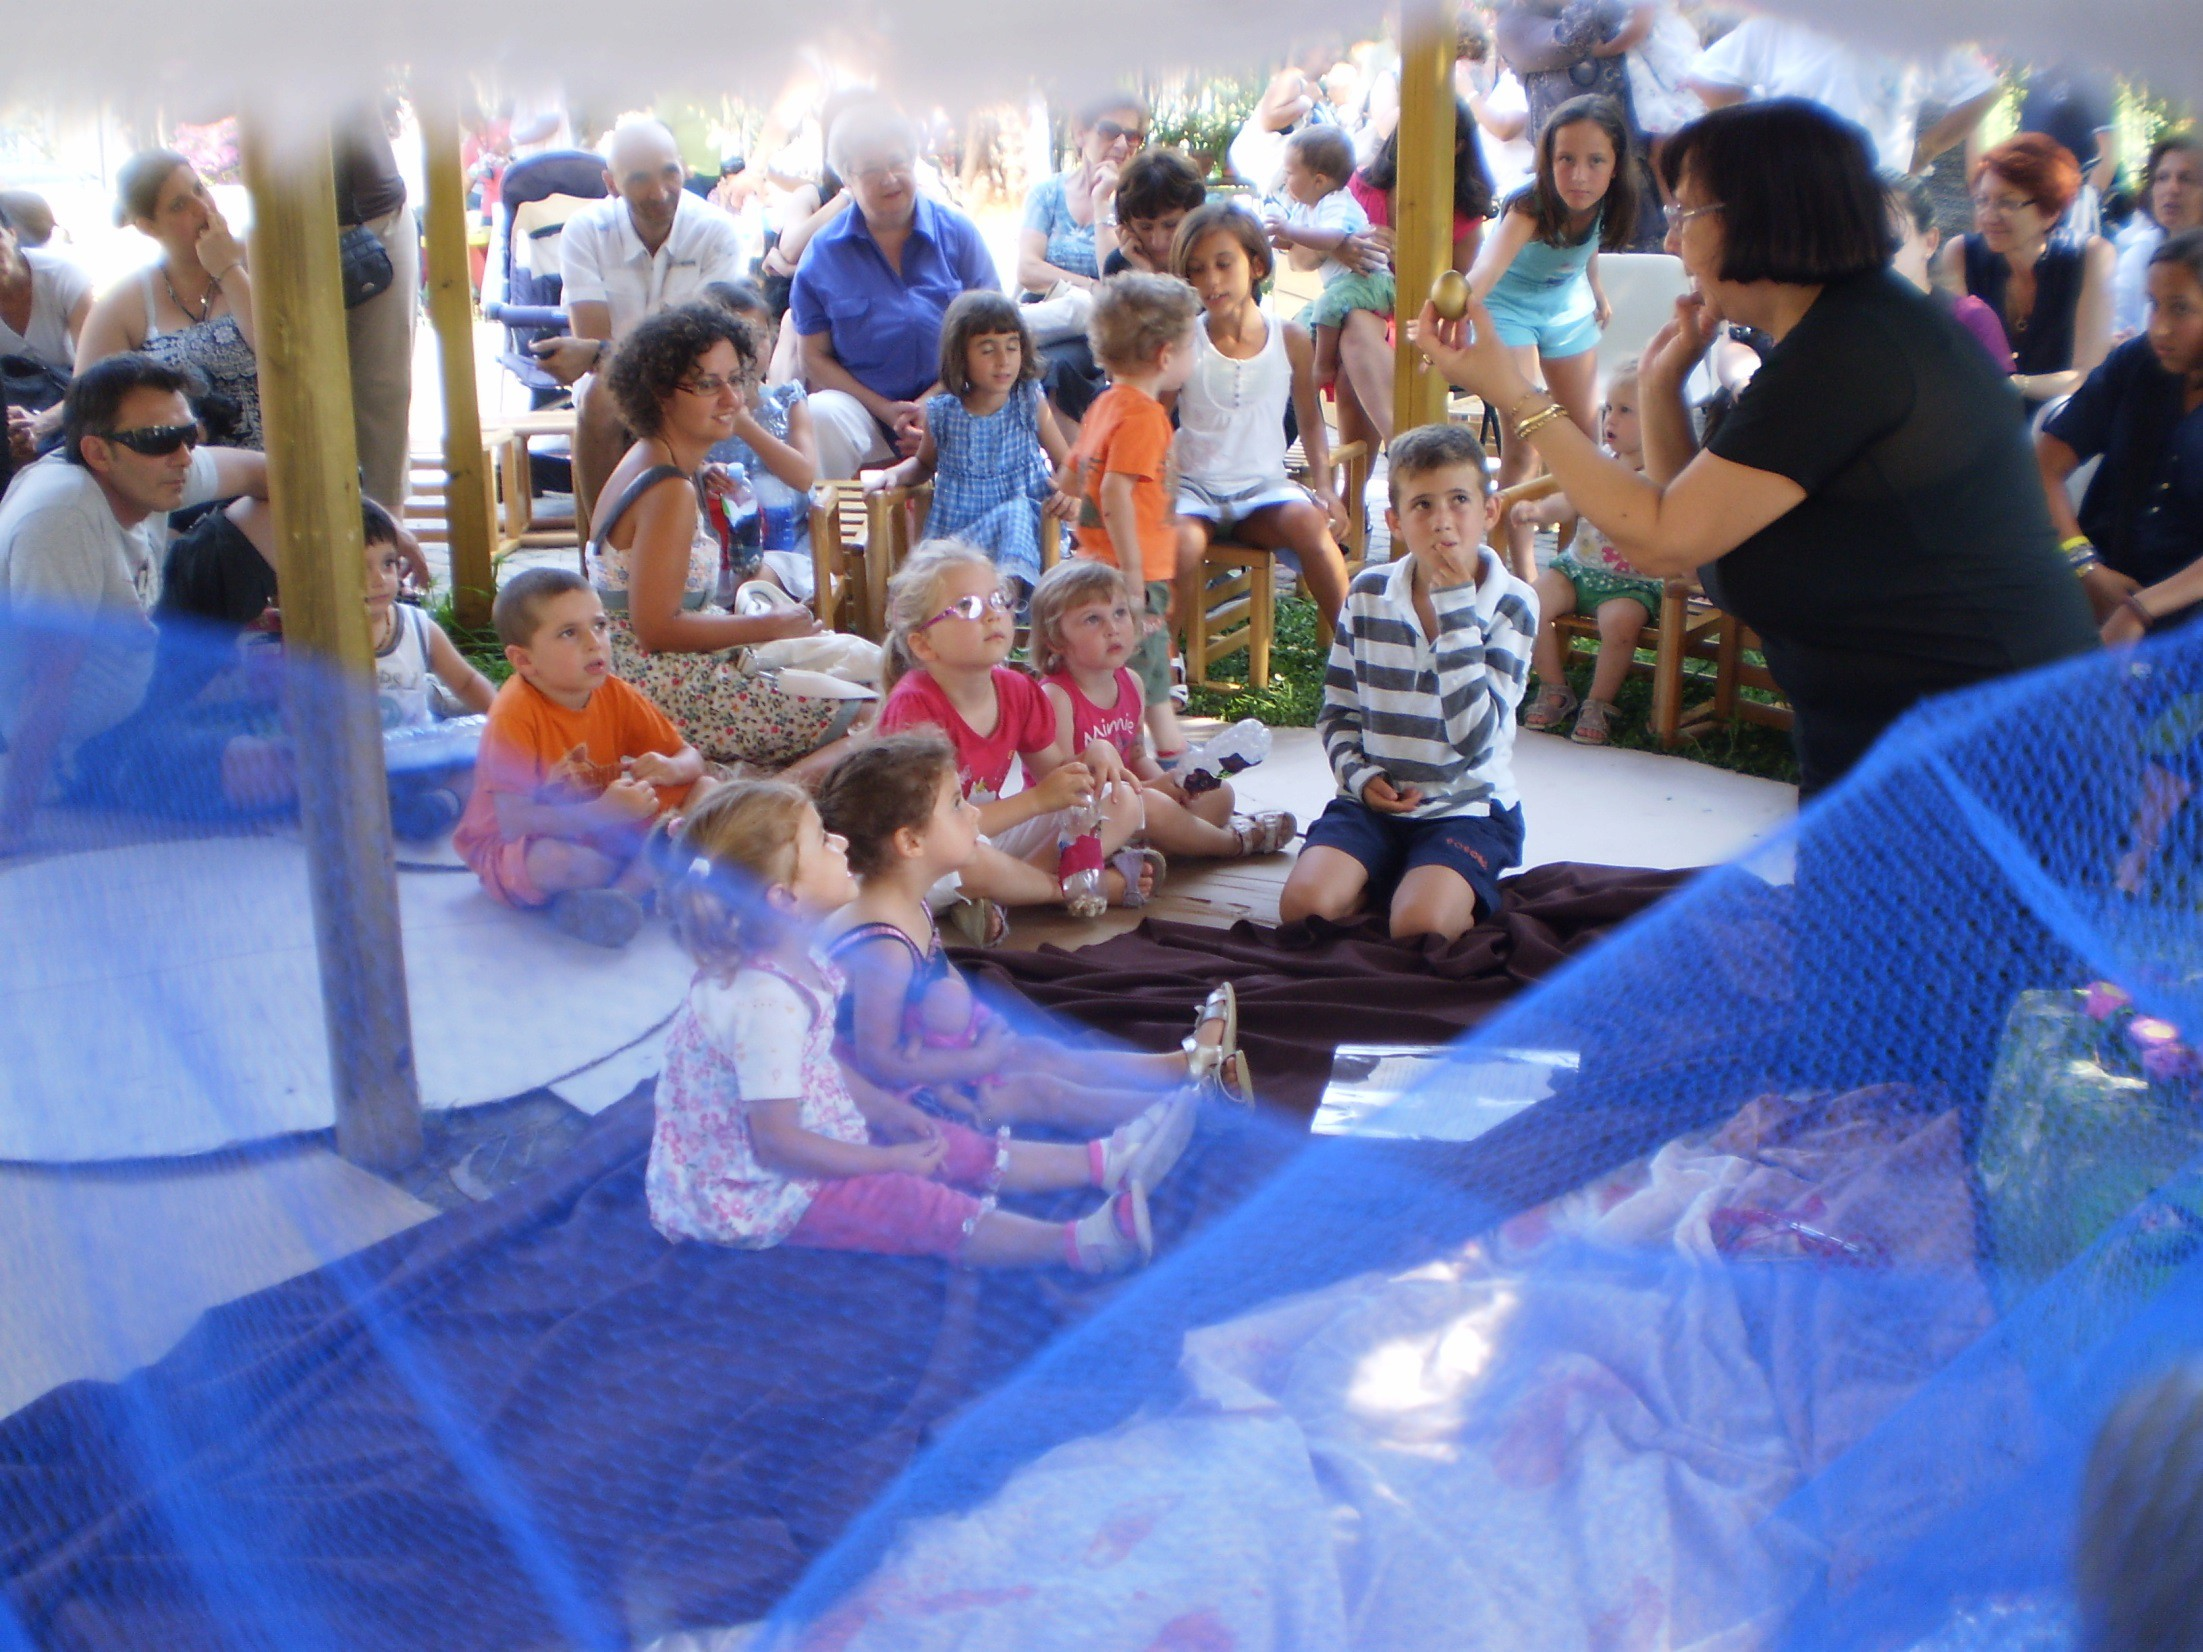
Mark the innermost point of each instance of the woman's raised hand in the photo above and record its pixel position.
(218, 247)
(1469, 353)
(1681, 343)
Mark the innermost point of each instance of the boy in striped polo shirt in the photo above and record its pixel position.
(1418, 714)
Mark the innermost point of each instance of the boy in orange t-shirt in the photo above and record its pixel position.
(575, 766)
(1142, 332)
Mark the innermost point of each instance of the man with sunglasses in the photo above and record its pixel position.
(82, 538)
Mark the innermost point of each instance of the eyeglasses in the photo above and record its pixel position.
(1111, 131)
(973, 607)
(155, 441)
(1678, 216)
(2003, 206)
(709, 385)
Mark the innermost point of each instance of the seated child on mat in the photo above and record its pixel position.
(574, 769)
(410, 649)
(1083, 632)
(1418, 715)
(763, 1139)
(1591, 577)
(950, 632)
(910, 1019)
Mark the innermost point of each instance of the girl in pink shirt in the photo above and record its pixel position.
(1083, 632)
(950, 630)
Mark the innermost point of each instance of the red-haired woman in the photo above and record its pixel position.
(2052, 291)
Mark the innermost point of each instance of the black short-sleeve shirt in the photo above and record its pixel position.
(1922, 557)
(2144, 507)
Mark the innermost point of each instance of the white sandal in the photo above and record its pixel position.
(1266, 833)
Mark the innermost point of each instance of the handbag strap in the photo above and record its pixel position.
(634, 491)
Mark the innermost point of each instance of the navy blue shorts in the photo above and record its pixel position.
(1477, 848)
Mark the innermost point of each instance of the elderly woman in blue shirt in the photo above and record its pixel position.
(870, 292)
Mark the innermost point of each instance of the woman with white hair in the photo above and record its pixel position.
(870, 292)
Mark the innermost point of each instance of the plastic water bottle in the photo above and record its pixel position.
(1240, 747)
(1079, 861)
(446, 744)
(734, 517)
(781, 521)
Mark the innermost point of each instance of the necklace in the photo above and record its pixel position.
(206, 301)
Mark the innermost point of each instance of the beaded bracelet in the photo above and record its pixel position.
(2132, 602)
(2080, 555)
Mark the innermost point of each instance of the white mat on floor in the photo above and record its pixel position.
(164, 999)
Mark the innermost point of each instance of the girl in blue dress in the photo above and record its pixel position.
(992, 446)
(1539, 276)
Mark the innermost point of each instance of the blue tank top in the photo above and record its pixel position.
(1541, 279)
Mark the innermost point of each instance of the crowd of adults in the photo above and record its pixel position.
(1869, 500)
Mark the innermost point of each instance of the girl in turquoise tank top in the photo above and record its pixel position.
(1539, 276)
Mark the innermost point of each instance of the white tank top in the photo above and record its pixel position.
(1231, 414)
(402, 689)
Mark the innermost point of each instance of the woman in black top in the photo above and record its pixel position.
(2052, 292)
(1871, 506)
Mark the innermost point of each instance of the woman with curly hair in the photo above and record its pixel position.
(678, 381)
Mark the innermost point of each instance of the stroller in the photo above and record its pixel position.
(539, 195)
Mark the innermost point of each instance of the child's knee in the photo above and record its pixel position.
(1307, 894)
(1193, 544)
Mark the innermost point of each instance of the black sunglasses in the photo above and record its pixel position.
(1111, 131)
(155, 441)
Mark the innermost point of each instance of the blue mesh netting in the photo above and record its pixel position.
(1862, 1186)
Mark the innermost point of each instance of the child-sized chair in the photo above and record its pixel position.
(843, 592)
(1688, 627)
(1238, 610)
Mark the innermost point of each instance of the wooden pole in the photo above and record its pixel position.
(451, 313)
(1423, 229)
(344, 803)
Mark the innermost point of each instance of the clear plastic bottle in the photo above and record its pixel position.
(735, 519)
(1240, 747)
(445, 743)
(1079, 861)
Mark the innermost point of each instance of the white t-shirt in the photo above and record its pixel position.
(63, 553)
(601, 259)
(404, 679)
(56, 287)
(2137, 244)
(1770, 57)
(1338, 212)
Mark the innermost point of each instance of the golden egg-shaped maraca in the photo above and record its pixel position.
(1449, 295)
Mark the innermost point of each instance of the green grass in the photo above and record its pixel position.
(480, 646)
(1296, 691)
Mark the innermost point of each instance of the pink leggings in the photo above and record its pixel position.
(898, 1214)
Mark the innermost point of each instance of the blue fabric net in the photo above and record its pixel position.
(1762, 1277)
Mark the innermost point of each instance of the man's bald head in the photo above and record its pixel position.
(643, 168)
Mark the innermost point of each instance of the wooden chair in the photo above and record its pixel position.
(1688, 627)
(1238, 603)
(1732, 672)
(840, 567)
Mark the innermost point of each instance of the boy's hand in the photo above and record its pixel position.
(1073, 783)
(653, 768)
(916, 1158)
(628, 800)
(1387, 799)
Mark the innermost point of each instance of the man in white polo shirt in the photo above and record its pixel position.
(650, 245)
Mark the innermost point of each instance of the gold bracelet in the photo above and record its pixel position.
(1515, 414)
(1526, 428)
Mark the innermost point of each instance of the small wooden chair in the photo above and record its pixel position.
(1732, 672)
(1688, 627)
(1238, 603)
(840, 565)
